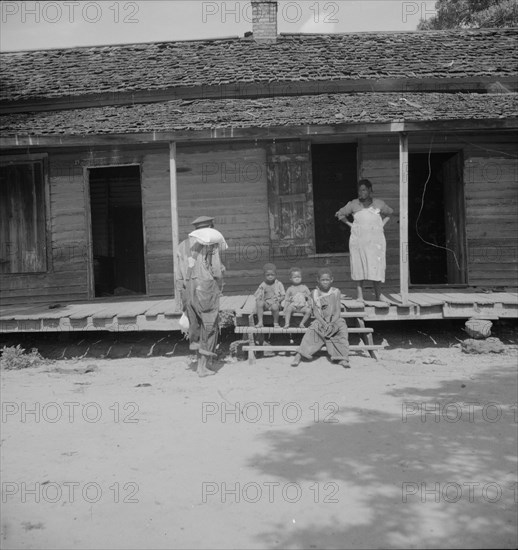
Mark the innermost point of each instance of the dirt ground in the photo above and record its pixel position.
(416, 450)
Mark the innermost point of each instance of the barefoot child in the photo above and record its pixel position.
(269, 295)
(328, 327)
(297, 298)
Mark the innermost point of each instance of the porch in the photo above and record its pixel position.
(159, 314)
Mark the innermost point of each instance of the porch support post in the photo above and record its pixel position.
(174, 216)
(403, 216)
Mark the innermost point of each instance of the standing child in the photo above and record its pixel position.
(269, 295)
(297, 298)
(328, 327)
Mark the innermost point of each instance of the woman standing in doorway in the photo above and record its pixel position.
(367, 243)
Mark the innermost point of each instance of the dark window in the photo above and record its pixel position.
(334, 185)
(23, 247)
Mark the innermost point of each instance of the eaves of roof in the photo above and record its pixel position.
(203, 115)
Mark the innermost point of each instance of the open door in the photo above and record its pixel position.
(436, 231)
(117, 231)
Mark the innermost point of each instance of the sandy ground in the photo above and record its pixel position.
(417, 450)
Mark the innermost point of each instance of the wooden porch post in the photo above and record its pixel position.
(174, 216)
(403, 216)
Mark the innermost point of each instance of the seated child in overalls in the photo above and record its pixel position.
(297, 298)
(269, 295)
(328, 327)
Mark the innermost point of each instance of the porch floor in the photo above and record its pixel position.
(161, 314)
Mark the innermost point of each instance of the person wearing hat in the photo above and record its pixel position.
(199, 280)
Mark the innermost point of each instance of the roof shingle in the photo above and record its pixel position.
(293, 58)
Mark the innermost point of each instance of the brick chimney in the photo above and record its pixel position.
(264, 20)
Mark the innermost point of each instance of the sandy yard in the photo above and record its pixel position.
(417, 450)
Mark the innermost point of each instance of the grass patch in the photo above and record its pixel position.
(16, 357)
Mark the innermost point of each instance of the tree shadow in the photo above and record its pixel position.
(400, 474)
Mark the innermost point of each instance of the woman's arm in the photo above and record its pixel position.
(344, 213)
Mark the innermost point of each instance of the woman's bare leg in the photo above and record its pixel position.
(377, 290)
(359, 290)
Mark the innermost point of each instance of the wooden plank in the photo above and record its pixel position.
(470, 298)
(158, 307)
(248, 306)
(33, 312)
(292, 330)
(174, 219)
(133, 309)
(377, 304)
(87, 310)
(421, 300)
(231, 303)
(295, 348)
(403, 216)
(353, 304)
(511, 299)
(434, 298)
(395, 299)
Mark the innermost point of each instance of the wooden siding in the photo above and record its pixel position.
(228, 181)
(492, 220)
(68, 277)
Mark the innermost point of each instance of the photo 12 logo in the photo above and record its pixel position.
(266, 11)
(69, 12)
(68, 411)
(270, 491)
(453, 412)
(423, 10)
(268, 411)
(452, 491)
(68, 492)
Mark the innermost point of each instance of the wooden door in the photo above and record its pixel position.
(290, 199)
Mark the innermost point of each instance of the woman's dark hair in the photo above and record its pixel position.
(367, 184)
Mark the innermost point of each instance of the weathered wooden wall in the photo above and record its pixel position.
(230, 182)
(490, 177)
(491, 190)
(68, 278)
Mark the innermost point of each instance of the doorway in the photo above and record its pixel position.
(436, 229)
(117, 231)
(334, 185)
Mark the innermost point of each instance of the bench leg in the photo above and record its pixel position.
(251, 341)
(367, 338)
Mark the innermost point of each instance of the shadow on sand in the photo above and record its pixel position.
(400, 475)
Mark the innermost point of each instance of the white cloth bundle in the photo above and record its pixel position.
(184, 324)
(209, 235)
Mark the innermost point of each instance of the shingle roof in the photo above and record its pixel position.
(256, 113)
(293, 58)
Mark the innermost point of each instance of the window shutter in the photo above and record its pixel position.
(290, 199)
(22, 214)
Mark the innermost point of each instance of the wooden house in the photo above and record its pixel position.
(108, 153)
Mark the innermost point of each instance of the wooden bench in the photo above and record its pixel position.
(252, 331)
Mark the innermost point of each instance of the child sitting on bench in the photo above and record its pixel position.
(328, 327)
(297, 298)
(269, 295)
